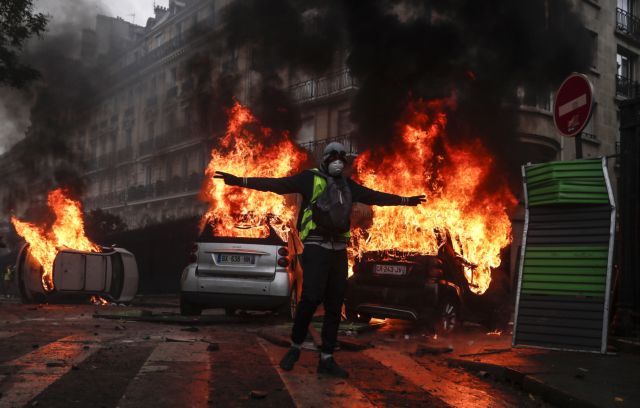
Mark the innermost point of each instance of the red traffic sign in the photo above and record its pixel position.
(572, 108)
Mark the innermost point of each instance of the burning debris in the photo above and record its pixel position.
(66, 232)
(249, 148)
(424, 159)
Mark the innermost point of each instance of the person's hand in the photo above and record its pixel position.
(416, 200)
(229, 179)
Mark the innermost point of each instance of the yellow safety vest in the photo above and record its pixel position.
(307, 224)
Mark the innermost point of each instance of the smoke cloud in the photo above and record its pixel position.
(473, 52)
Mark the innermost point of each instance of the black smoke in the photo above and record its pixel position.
(59, 102)
(475, 52)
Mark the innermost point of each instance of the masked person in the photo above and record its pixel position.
(323, 222)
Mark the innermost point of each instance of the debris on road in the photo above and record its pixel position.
(213, 347)
(422, 350)
(486, 352)
(257, 394)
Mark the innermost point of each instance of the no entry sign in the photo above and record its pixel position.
(574, 101)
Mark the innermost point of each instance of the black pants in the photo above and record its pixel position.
(324, 280)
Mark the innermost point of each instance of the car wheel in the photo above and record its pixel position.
(229, 311)
(189, 309)
(357, 317)
(448, 316)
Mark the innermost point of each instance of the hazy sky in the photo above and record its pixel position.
(143, 9)
(14, 105)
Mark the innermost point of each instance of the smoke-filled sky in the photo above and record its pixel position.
(15, 105)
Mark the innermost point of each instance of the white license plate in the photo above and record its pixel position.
(397, 270)
(235, 259)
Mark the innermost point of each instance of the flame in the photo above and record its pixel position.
(248, 149)
(67, 231)
(424, 161)
(98, 301)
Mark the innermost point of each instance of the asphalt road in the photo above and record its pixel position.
(63, 356)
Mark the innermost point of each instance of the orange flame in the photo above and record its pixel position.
(98, 301)
(478, 224)
(252, 150)
(67, 231)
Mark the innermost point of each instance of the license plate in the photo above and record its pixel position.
(397, 270)
(235, 259)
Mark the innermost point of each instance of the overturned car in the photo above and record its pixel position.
(111, 274)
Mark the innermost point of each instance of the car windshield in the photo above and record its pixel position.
(208, 235)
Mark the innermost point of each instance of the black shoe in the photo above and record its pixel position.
(330, 367)
(290, 359)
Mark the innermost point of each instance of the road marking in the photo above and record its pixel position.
(43, 367)
(572, 105)
(6, 334)
(176, 373)
(307, 389)
(441, 387)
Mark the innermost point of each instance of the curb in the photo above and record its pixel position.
(528, 383)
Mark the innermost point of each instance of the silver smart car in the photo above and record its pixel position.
(239, 273)
(111, 274)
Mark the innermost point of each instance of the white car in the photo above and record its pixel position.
(240, 273)
(111, 274)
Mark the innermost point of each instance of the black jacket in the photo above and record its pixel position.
(302, 183)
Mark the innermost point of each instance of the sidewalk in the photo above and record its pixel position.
(564, 379)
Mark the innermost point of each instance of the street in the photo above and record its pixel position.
(61, 356)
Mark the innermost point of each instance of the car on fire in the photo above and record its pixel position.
(425, 288)
(111, 274)
(240, 273)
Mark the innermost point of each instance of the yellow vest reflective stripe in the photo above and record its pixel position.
(306, 223)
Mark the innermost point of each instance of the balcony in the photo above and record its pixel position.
(627, 24)
(626, 87)
(323, 87)
(316, 147)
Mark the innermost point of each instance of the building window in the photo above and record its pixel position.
(625, 74)
(344, 122)
(534, 98)
(626, 21)
(307, 131)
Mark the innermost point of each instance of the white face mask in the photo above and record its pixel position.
(335, 167)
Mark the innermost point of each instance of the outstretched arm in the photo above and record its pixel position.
(368, 196)
(279, 185)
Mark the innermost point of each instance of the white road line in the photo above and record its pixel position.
(6, 334)
(190, 390)
(43, 367)
(307, 389)
(572, 105)
(441, 387)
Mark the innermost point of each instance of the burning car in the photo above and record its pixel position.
(239, 273)
(424, 288)
(111, 274)
(59, 260)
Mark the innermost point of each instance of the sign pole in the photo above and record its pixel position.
(578, 139)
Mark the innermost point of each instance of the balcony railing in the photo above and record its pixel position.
(159, 189)
(323, 87)
(125, 154)
(626, 87)
(316, 147)
(627, 23)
